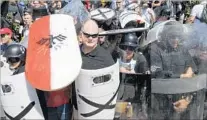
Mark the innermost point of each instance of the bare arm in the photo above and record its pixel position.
(191, 19)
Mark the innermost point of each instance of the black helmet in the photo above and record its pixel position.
(15, 51)
(129, 39)
(173, 31)
(165, 11)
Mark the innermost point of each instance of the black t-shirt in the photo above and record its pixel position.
(97, 59)
(19, 70)
(141, 63)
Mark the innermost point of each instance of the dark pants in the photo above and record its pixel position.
(63, 112)
(43, 104)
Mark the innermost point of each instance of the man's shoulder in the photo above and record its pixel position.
(100, 49)
(198, 7)
(139, 57)
(20, 70)
(105, 55)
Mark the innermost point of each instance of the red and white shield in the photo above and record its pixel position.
(53, 56)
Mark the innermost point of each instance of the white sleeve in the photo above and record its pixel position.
(194, 11)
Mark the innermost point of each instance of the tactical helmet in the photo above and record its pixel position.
(15, 51)
(165, 11)
(129, 39)
(173, 31)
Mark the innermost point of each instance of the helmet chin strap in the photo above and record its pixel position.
(16, 66)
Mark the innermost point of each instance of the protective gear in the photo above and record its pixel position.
(127, 16)
(170, 100)
(96, 92)
(175, 68)
(173, 33)
(165, 11)
(129, 39)
(5, 71)
(15, 51)
(28, 107)
(99, 15)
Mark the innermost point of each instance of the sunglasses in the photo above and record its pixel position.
(90, 35)
(13, 60)
(128, 48)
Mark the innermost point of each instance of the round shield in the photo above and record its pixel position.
(102, 14)
(53, 58)
(127, 16)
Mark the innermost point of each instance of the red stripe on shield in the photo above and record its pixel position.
(38, 69)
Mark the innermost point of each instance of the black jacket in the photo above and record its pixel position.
(167, 62)
(19, 70)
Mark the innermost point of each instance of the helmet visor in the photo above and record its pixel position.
(13, 60)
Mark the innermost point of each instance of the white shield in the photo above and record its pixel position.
(19, 99)
(102, 14)
(96, 92)
(5, 71)
(127, 16)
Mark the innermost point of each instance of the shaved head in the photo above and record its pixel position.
(89, 34)
(90, 26)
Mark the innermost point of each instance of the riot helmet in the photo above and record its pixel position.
(165, 11)
(15, 53)
(173, 33)
(129, 40)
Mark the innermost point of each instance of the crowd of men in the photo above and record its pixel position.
(163, 58)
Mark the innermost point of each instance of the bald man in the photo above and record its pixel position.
(93, 56)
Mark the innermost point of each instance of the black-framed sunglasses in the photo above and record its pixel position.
(13, 60)
(131, 48)
(90, 35)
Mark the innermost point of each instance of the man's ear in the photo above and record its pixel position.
(80, 38)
